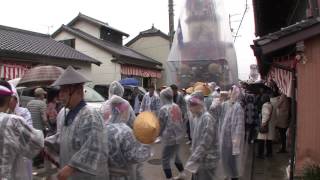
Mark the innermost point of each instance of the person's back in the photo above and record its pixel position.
(172, 126)
(205, 126)
(37, 107)
(16, 138)
(124, 150)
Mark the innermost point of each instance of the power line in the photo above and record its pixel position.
(244, 13)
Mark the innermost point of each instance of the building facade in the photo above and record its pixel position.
(100, 41)
(21, 50)
(155, 44)
(287, 52)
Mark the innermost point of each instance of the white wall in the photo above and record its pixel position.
(88, 28)
(107, 71)
(157, 48)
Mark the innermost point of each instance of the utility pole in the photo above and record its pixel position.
(171, 21)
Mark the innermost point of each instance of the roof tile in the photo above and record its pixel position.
(37, 44)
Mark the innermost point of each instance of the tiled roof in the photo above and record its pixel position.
(113, 48)
(148, 33)
(287, 31)
(17, 41)
(287, 36)
(94, 21)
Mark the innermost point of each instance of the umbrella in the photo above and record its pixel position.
(257, 87)
(40, 76)
(129, 81)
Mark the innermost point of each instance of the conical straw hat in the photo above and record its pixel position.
(146, 127)
(70, 76)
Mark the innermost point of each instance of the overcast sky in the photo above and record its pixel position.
(130, 16)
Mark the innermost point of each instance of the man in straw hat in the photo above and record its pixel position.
(18, 140)
(83, 154)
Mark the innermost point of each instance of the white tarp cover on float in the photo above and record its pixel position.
(202, 48)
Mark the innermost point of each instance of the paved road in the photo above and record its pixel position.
(268, 169)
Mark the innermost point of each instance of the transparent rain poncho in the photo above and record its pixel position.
(17, 140)
(24, 165)
(125, 152)
(205, 150)
(82, 144)
(202, 48)
(151, 104)
(172, 128)
(116, 88)
(121, 111)
(116, 91)
(232, 142)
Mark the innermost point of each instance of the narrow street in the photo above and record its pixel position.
(266, 169)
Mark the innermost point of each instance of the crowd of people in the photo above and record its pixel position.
(100, 143)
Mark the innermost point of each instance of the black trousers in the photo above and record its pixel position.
(188, 130)
(283, 138)
(261, 146)
(251, 132)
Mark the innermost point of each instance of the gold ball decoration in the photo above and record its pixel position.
(214, 68)
(146, 127)
(185, 69)
(204, 89)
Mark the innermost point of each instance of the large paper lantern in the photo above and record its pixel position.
(146, 127)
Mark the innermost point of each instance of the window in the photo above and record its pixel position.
(110, 35)
(69, 42)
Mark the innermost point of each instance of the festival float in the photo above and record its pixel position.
(202, 48)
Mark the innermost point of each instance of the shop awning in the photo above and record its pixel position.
(138, 71)
(282, 78)
(12, 71)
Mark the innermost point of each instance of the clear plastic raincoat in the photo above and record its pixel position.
(150, 103)
(116, 91)
(81, 144)
(205, 152)
(171, 122)
(171, 131)
(17, 139)
(125, 151)
(24, 165)
(115, 88)
(232, 136)
(120, 111)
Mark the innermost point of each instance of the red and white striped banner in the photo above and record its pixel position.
(137, 71)
(12, 71)
(281, 77)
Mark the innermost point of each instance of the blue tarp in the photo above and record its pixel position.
(129, 81)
